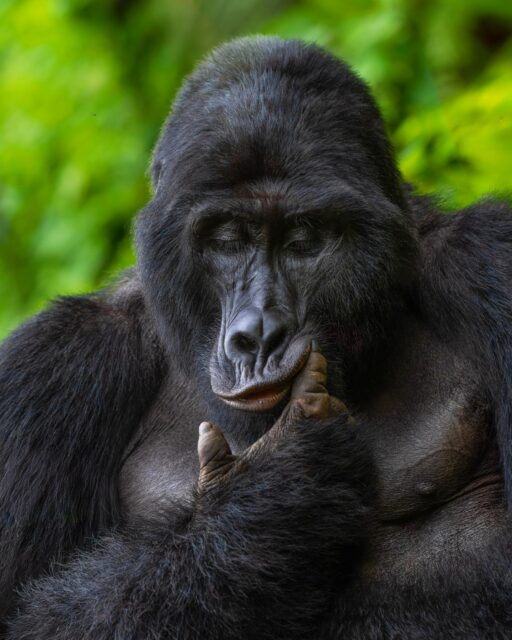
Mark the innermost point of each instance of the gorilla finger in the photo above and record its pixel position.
(312, 378)
(215, 457)
(212, 448)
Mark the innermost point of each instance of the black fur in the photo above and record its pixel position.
(232, 557)
(276, 552)
(473, 604)
(74, 382)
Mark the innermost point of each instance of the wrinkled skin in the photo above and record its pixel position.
(309, 398)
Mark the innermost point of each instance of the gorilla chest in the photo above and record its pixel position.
(427, 426)
(425, 454)
(423, 420)
(160, 464)
(438, 474)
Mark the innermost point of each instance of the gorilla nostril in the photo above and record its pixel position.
(245, 344)
(275, 340)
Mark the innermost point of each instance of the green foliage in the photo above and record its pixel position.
(85, 86)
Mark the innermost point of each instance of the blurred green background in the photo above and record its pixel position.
(85, 86)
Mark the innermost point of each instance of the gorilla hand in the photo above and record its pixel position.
(309, 398)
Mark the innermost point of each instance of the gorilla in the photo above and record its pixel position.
(343, 346)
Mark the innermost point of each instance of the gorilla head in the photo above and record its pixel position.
(278, 217)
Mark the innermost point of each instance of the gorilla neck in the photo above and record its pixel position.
(360, 363)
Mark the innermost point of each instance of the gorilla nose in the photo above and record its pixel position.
(255, 335)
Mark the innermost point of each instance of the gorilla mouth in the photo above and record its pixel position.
(258, 399)
(265, 395)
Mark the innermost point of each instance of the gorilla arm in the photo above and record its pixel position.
(269, 536)
(74, 383)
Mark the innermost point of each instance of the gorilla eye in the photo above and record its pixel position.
(304, 241)
(227, 238)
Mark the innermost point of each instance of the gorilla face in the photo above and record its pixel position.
(278, 218)
(265, 259)
(271, 261)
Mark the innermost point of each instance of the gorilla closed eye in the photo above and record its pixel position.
(216, 234)
(307, 245)
(303, 235)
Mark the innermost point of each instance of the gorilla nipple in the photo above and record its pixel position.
(426, 488)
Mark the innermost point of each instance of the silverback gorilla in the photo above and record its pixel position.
(351, 349)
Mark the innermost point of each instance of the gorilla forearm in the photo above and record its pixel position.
(74, 382)
(256, 557)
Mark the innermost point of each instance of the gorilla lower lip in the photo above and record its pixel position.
(265, 395)
(260, 400)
